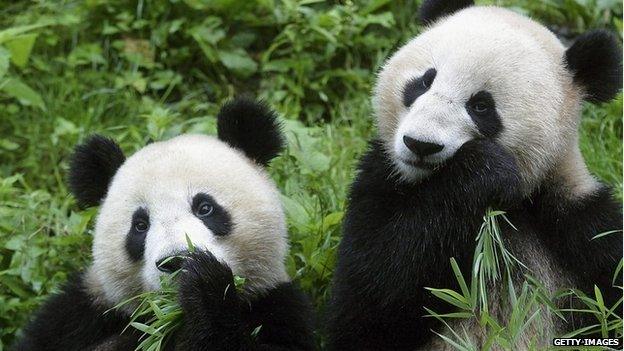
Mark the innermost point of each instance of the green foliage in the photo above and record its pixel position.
(494, 265)
(572, 16)
(16, 44)
(157, 315)
(151, 69)
(528, 310)
(609, 323)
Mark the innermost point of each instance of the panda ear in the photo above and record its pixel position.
(595, 60)
(92, 166)
(252, 127)
(432, 10)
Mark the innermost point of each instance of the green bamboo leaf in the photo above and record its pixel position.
(593, 328)
(460, 279)
(20, 48)
(157, 311)
(451, 297)
(189, 243)
(238, 61)
(461, 315)
(616, 274)
(452, 342)
(147, 329)
(599, 299)
(22, 92)
(13, 32)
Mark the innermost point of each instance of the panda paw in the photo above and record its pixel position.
(491, 169)
(206, 285)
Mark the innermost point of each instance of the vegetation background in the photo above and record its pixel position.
(151, 69)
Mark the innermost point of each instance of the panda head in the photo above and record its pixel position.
(215, 191)
(487, 72)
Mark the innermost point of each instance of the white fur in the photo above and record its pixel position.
(514, 58)
(163, 177)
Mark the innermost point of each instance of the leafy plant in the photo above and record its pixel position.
(494, 265)
(158, 314)
(608, 318)
(529, 308)
(16, 44)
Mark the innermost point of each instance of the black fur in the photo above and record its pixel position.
(92, 166)
(71, 321)
(417, 86)
(595, 60)
(432, 10)
(488, 122)
(218, 221)
(208, 294)
(571, 225)
(251, 127)
(398, 238)
(215, 317)
(135, 239)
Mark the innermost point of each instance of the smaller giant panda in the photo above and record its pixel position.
(216, 192)
(480, 110)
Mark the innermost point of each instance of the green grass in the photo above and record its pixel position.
(143, 70)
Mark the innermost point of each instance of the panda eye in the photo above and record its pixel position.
(215, 217)
(482, 110)
(141, 226)
(480, 107)
(204, 209)
(481, 104)
(140, 221)
(418, 86)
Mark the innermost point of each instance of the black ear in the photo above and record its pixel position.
(92, 166)
(431, 10)
(595, 60)
(251, 127)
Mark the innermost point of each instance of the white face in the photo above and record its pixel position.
(484, 72)
(195, 186)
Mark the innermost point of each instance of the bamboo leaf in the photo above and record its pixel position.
(22, 92)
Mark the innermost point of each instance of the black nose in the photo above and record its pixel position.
(421, 148)
(170, 264)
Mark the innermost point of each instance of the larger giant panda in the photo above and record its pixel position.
(479, 110)
(216, 193)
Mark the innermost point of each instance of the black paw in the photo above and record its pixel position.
(490, 170)
(205, 283)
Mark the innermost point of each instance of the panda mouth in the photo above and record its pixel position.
(421, 164)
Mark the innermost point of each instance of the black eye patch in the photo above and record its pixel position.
(135, 240)
(482, 109)
(215, 217)
(415, 87)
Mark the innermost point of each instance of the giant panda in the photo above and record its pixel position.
(481, 110)
(216, 192)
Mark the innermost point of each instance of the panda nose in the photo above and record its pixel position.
(421, 148)
(170, 264)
